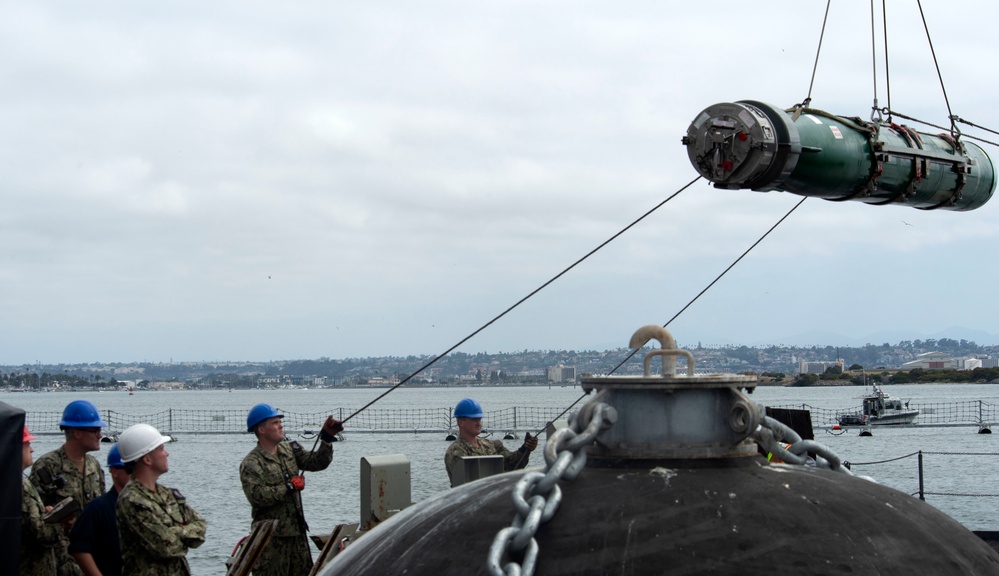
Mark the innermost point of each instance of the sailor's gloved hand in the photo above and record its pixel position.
(530, 442)
(296, 483)
(331, 428)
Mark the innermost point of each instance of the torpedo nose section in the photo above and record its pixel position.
(758, 146)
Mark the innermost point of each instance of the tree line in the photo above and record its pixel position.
(858, 377)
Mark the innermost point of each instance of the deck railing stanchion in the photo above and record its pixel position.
(921, 495)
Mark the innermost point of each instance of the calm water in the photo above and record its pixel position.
(206, 467)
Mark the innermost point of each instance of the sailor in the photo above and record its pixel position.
(273, 485)
(469, 415)
(155, 524)
(69, 471)
(93, 541)
(39, 540)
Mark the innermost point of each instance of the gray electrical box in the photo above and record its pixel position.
(553, 427)
(470, 468)
(385, 487)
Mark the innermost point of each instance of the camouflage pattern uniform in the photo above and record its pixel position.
(156, 529)
(39, 540)
(459, 449)
(264, 477)
(81, 487)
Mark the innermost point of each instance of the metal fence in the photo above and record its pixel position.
(519, 418)
(967, 413)
(921, 489)
(522, 418)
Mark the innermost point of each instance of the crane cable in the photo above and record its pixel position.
(524, 299)
(804, 104)
(875, 110)
(682, 310)
(719, 277)
(954, 130)
(433, 360)
(818, 50)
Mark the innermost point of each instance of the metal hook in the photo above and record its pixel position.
(666, 342)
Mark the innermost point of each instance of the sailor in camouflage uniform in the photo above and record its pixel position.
(469, 415)
(272, 482)
(39, 540)
(70, 471)
(155, 524)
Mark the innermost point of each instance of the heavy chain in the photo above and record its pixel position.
(537, 495)
(771, 433)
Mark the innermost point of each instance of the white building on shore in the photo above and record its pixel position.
(932, 361)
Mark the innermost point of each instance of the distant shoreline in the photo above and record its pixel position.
(759, 384)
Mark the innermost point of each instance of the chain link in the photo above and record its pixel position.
(771, 433)
(537, 495)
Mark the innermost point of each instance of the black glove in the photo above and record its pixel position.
(331, 428)
(530, 442)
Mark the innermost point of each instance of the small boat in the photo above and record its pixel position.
(879, 409)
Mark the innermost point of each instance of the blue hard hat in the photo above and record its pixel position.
(259, 413)
(81, 414)
(468, 408)
(114, 458)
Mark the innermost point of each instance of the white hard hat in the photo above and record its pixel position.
(138, 440)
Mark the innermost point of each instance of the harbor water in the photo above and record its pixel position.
(960, 466)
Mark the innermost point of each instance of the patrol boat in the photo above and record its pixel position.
(879, 409)
(664, 473)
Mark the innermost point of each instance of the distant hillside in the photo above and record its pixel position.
(459, 367)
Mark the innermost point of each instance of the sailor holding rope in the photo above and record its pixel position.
(469, 414)
(273, 485)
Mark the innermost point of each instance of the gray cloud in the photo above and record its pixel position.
(263, 181)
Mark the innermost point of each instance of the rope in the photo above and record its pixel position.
(524, 299)
(884, 461)
(706, 288)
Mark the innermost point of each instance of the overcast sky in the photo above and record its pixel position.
(264, 181)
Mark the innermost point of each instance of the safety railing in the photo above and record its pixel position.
(966, 413)
(920, 476)
(172, 420)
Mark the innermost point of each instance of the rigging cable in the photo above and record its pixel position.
(884, 25)
(875, 110)
(808, 99)
(957, 118)
(524, 299)
(694, 299)
(954, 118)
(954, 130)
(706, 288)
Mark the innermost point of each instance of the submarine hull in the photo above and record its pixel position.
(733, 516)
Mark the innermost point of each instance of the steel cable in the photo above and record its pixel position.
(717, 278)
(525, 298)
